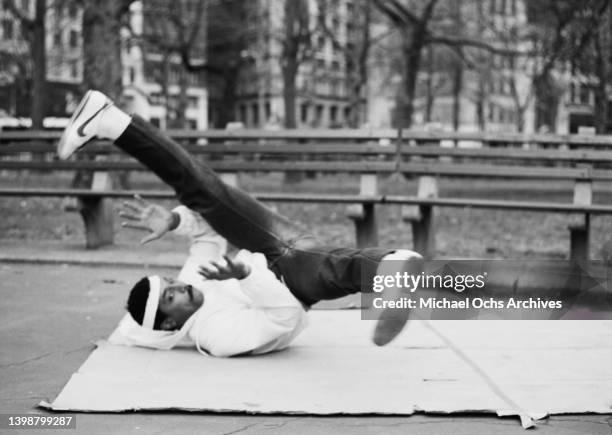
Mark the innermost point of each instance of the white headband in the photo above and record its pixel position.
(152, 302)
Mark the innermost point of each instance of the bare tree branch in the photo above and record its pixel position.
(397, 12)
(457, 41)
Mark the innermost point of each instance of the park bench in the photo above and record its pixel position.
(426, 156)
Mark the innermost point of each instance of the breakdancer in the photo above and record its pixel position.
(252, 302)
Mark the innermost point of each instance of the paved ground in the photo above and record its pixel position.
(51, 315)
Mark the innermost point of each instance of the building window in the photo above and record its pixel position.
(192, 102)
(268, 111)
(74, 69)
(132, 75)
(584, 94)
(7, 29)
(155, 99)
(242, 114)
(155, 122)
(319, 114)
(347, 114)
(192, 124)
(255, 108)
(74, 39)
(304, 112)
(57, 38)
(333, 115)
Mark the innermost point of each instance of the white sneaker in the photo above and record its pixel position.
(83, 125)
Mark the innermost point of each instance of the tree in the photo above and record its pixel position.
(34, 30)
(296, 48)
(102, 24)
(561, 32)
(173, 30)
(228, 54)
(355, 46)
(102, 70)
(594, 61)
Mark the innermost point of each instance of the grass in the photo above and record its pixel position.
(464, 232)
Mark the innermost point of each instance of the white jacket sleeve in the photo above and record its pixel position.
(205, 241)
(242, 330)
(262, 286)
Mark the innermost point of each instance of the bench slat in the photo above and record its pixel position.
(596, 156)
(348, 134)
(414, 168)
(331, 198)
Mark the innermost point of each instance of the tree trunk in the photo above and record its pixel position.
(39, 61)
(164, 83)
(101, 71)
(290, 92)
(547, 102)
(429, 101)
(457, 69)
(520, 120)
(457, 88)
(227, 103)
(480, 104)
(413, 45)
(602, 71)
(182, 101)
(102, 47)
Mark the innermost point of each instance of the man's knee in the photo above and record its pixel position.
(403, 254)
(401, 260)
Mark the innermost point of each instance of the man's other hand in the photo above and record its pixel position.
(146, 216)
(232, 269)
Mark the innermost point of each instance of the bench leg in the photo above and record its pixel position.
(97, 215)
(579, 241)
(423, 232)
(365, 226)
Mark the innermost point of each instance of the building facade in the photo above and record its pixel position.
(63, 46)
(321, 95)
(154, 78)
(485, 91)
(155, 83)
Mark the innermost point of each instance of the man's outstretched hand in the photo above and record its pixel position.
(233, 269)
(146, 216)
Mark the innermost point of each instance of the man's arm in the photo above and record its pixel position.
(145, 216)
(157, 220)
(256, 280)
(240, 330)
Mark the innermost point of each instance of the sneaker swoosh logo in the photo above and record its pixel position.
(81, 129)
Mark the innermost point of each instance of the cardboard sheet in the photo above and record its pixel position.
(526, 368)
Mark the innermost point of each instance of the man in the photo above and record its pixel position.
(251, 304)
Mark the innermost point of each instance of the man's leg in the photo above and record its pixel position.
(315, 273)
(234, 214)
(391, 321)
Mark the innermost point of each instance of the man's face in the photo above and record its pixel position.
(178, 301)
